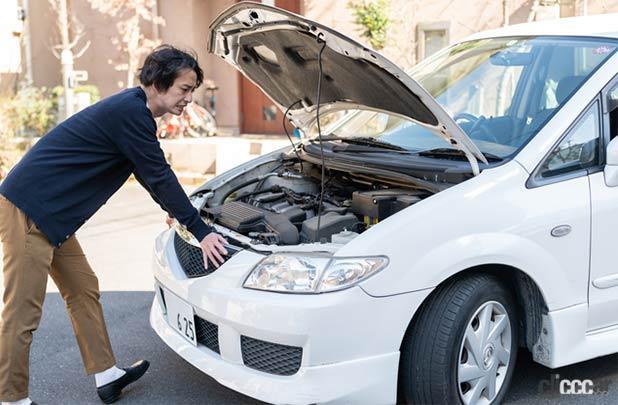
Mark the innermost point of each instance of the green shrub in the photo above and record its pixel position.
(91, 89)
(10, 152)
(95, 94)
(373, 17)
(30, 112)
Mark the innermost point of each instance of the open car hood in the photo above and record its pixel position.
(278, 51)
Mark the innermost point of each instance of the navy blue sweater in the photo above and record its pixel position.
(74, 169)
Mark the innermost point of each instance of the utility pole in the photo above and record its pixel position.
(26, 42)
(66, 59)
(533, 10)
(505, 12)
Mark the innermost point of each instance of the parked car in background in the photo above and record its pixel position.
(429, 226)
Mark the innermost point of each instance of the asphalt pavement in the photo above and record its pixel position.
(118, 242)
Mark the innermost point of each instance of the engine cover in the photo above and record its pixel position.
(378, 205)
(244, 218)
(330, 223)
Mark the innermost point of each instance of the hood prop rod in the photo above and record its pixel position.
(320, 41)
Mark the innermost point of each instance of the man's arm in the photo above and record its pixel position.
(138, 142)
(152, 195)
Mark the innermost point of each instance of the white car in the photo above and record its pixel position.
(449, 217)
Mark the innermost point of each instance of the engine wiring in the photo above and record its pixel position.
(320, 40)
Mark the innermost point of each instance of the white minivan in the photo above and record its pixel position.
(429, 225)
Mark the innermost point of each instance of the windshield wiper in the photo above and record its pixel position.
(363, 140)
(456, 153)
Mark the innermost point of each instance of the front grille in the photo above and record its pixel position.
(191, 257)
(269, 357)
(207, 333)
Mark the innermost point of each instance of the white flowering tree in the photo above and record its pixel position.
(131, 40)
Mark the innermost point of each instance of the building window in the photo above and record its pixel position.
(431, 37)
(568, 8)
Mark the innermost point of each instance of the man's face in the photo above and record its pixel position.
(176, 98)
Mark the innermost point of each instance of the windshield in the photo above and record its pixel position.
(500, 91)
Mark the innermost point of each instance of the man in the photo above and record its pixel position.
(60, 183)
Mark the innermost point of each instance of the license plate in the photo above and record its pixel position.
(180, 317)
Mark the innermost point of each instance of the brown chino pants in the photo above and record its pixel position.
(28, 259)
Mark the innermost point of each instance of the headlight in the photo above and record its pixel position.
(312, 273)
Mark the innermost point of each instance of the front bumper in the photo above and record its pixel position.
(350, 341)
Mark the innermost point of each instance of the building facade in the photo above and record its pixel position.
(11, 32)
(416, 29)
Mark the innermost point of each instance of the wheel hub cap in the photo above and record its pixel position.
(488, 356)
(484, 354)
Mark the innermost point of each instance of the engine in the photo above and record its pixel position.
(282, 208)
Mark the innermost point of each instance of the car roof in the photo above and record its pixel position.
(602, 25)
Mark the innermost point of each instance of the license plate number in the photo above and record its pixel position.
(180, 317)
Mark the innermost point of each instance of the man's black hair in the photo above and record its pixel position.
(165, 64)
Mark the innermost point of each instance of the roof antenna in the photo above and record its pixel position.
(320, 40)
(288, 134)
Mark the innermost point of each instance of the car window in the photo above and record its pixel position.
(566, 69)
(578, 150)
(366, 123)
(501, 92)
(479, 85)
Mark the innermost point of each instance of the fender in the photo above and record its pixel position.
(489, 219)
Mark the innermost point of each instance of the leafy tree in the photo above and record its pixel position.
(130, 39)
(373, 17)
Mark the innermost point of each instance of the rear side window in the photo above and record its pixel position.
(579, 149)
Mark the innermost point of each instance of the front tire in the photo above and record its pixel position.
(462, 346)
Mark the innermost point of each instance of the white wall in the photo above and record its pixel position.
(10, 29)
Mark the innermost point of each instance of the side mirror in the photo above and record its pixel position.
(611, 167)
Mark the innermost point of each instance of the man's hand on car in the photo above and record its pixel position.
(213, 247)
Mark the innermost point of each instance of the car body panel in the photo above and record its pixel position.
(347, 382)
(601, 25)
(321, 324)
(221, 298)
(603, 299)
(497, 221)
(566, 339)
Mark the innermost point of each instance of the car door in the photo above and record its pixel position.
(562, 179)
(603, 284)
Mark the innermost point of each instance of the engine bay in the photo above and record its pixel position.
(281, 207)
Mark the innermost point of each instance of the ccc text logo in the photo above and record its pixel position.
(576, 387)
